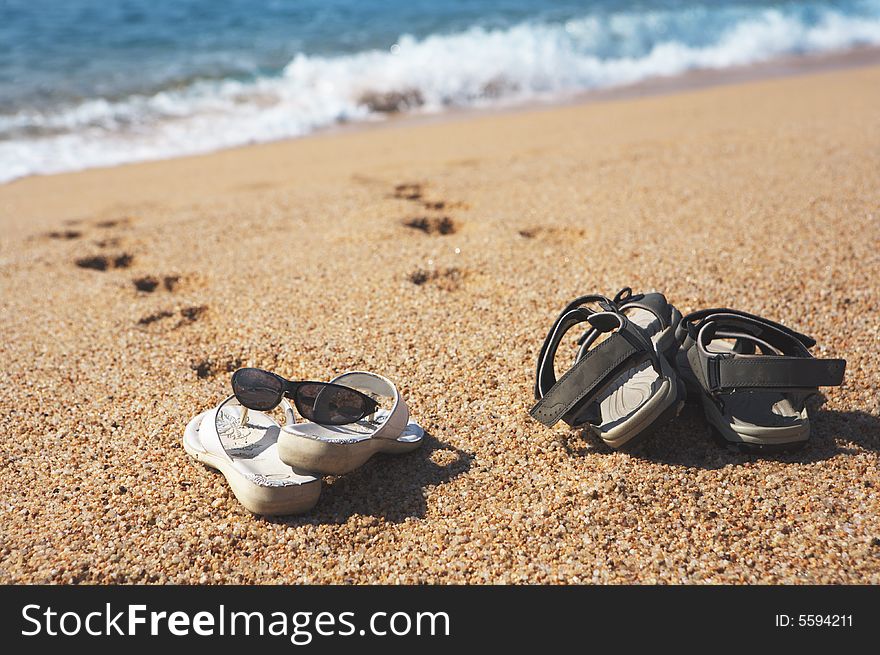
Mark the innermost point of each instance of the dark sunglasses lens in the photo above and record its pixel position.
(257, 389)
(331, 404)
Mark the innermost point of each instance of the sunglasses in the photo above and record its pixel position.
(320, 402)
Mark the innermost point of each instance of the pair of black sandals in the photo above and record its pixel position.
(639, 359)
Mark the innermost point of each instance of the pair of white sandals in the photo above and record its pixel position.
(276, 469)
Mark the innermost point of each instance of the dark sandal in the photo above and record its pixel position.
(621, 386)
(753, 377)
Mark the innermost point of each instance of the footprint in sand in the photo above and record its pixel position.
(99, 262)
(191, 314)
(149, 319)
(150, 283)
(66, 235)
(70, 234)
(552, 233)
(185, 316)
(438, 205)
(415, 192)
(447, 279)
(104, 262)
(111, 242)
(442, 225)
(115, 222)
(208, 367)
(408, 191)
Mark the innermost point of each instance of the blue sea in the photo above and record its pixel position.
(98, 82)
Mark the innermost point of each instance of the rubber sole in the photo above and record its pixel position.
(753, 448)
(747, 443)
(642, 400)
(664, 418)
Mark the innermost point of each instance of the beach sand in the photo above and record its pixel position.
(295, 256)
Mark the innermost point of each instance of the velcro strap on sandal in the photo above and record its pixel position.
(767, 372)
(785, 365)
(596, 369)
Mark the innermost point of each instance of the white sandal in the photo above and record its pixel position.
(243, 445)
(338, 449)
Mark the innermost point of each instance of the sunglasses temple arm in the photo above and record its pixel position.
(244, 416)
(290, 393)
(372, 416)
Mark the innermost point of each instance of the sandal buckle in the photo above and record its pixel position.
(713, 371)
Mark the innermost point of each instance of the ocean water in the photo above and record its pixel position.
(98, 82)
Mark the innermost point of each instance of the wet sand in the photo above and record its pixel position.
(129, 293)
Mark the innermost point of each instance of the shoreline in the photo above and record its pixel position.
(779, 68)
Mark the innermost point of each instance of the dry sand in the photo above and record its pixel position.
(294, 256)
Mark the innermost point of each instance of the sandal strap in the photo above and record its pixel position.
(595, 369)
(373, 384)
(691, 324)
(623, 297)
(788, 366)
(729, 373)
(212, 440)
(575, 305)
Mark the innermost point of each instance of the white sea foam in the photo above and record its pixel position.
(476, 67)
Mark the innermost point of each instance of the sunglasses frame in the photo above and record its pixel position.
(289, 390)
